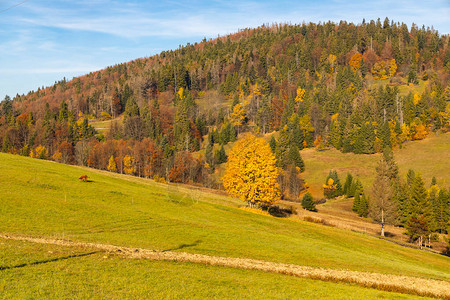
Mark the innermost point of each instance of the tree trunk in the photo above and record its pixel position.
(382, 222)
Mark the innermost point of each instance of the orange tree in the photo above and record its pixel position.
(251, 173)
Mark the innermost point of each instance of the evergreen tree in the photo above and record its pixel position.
(348, 184)
(363, 208)
(63, 112)
(308, 202)
(332, 187)
(281, 153)
(365, 141)
(295, 158)
(420, 212)
(131, 108)
(273, 144)
(384, 134)
(356, 202)
(5, 145)
(220, 156)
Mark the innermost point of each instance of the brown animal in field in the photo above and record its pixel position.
(83, 178)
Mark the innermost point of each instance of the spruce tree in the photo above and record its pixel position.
(363, 208)
(295, 158)
(348, 184)
(308, 202)
(273, 144)
(221, 157)
(356, 202)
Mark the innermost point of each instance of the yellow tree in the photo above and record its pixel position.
(300, 95)
(251, 174)
(237, 116)
(392, 67)
(112, 164)
(128, 167)
(355, 61)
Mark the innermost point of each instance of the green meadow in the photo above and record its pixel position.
(43, 198)
(37, 271)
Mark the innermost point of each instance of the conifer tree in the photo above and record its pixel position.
(220, 156)
(363, 208)
(347, 185)
(273, 144)
(308, 202)
(295, 158)
(356, 202)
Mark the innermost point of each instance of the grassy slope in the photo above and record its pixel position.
(45, 198)
(55, 272)
(430, 157)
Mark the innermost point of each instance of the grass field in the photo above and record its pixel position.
(37, 271)
(42, 198)
(429, 157)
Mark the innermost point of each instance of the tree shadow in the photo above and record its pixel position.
(46, 261)
(182, 246)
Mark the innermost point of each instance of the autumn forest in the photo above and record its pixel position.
(365, 88)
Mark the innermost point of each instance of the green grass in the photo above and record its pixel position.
(36, 271)
(429, 157)
(47, 199)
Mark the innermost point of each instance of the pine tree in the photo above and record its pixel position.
(295, 158)
(420, 219)
(332, 187)
(363, 208)
(308, 202)
(220, 156)
(348, 184)
(273, 144)
(356, 202)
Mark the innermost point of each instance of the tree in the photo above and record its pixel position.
(128, 167)
(363, 207)
(332, 187)
(112, 164)
(308, 202)
(382, 206)
(220, 156)
(251, 174)
(347, 185)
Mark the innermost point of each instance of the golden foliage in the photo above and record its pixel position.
(128, 167)
(392, 67)
(112, 164)
(416, 98)
(300, 95)
(251, 174)
(355, 61)
(238, 115)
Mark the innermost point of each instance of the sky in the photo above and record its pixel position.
(43, 41)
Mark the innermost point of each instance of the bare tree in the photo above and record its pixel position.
(382, 206)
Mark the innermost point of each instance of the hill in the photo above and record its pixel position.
(46, 199)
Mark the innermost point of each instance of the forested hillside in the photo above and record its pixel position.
(357, 88)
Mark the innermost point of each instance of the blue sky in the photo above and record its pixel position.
(42, 41)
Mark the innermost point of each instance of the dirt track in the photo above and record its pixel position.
(395, 283)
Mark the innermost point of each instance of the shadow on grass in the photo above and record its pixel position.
(46, 261)
(182, 246)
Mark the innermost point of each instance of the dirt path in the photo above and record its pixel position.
(393, 283)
